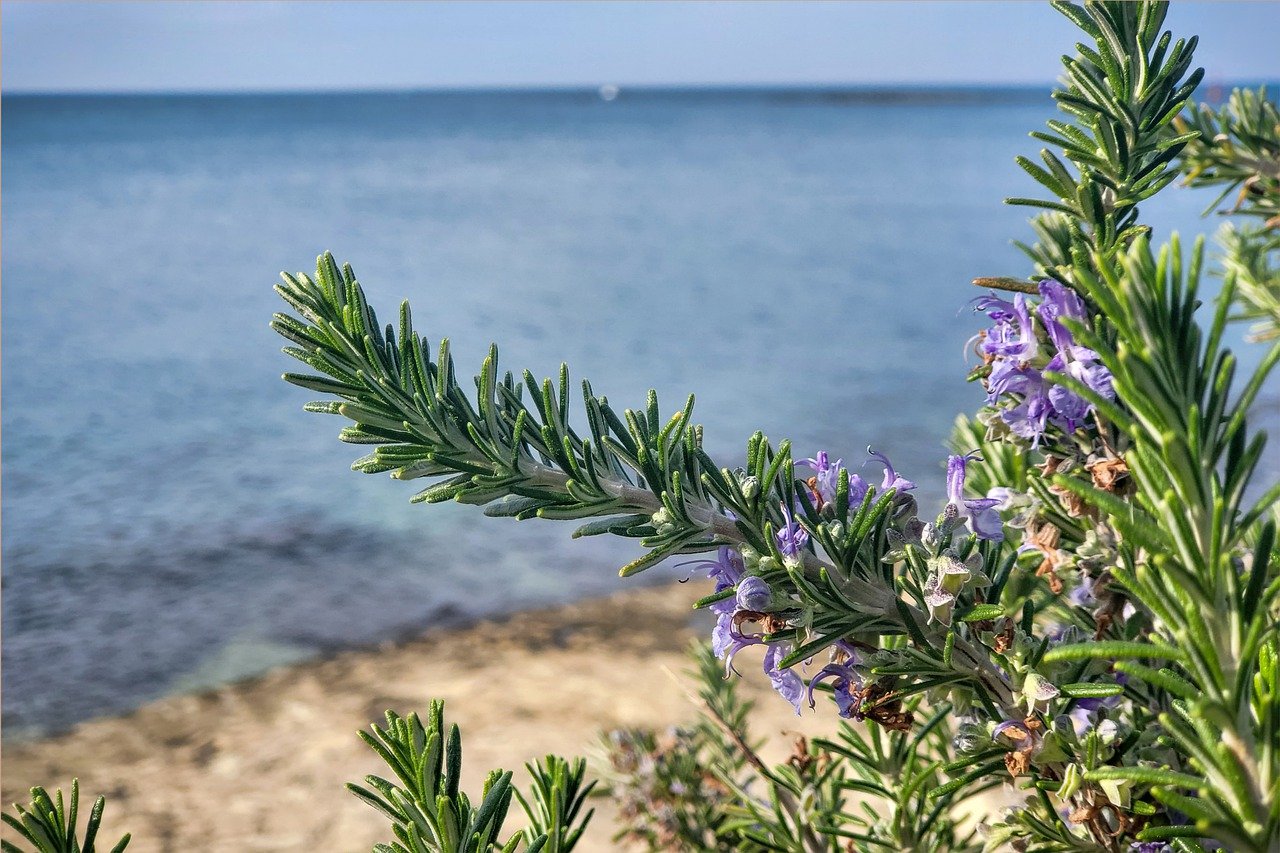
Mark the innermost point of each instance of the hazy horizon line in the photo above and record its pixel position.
(835, 88)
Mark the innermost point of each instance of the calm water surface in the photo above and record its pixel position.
(172, 519)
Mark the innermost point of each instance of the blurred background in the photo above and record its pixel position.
(778, 207)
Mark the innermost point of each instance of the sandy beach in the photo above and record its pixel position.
(260, 765)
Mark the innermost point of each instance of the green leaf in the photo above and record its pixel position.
(1086, 690)
(982, 612)
(1147, 776)
(1111, 650)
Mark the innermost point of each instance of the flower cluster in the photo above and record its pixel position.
(1024, 344)
(750, 611)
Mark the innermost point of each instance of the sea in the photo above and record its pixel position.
(172, 520)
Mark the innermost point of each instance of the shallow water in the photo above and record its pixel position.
(173, 520)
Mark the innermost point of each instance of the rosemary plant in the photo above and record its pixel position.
(1092, 614)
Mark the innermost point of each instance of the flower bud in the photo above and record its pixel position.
(754, 594)
(1108, 731)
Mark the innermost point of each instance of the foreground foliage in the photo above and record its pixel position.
(429, 811)
(49, 824)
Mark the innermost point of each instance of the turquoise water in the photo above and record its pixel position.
(172, 520)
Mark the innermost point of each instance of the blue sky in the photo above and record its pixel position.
(237, 46)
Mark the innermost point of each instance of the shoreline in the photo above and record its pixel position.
(259, 764)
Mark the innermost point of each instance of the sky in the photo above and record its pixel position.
(229, 45)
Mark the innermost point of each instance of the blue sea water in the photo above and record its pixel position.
(173, 520)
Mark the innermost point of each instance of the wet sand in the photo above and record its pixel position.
(260, 765)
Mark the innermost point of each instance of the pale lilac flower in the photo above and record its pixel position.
(827, 478)
(1059, 301)
(1030, 418)
(846, 681)
(726, 570)
(1012, 347)
(984, 521)
(1083, 595)
(1082, 365)
(826, 474)
(999, 310)
(722, 634)
(858, 489)
(1003, 495)
(792, 537)
(787, 683)
(1011, 377)
(737, 642)
(892, 480)
(1012, 336)
(1080, 721)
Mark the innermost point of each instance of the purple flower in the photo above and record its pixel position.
(999, 310)
(858, 488)
(846, 681)
(792, 537)
(1030, 418)
(788, 684)
(726, 570)
(754, 594)
(1059, 301)
(722, 634)
(1011, 377)
(1013, 335)
(984, 521)
(737, 641)
(1082, 365)
(891, 478)
(826, 474)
